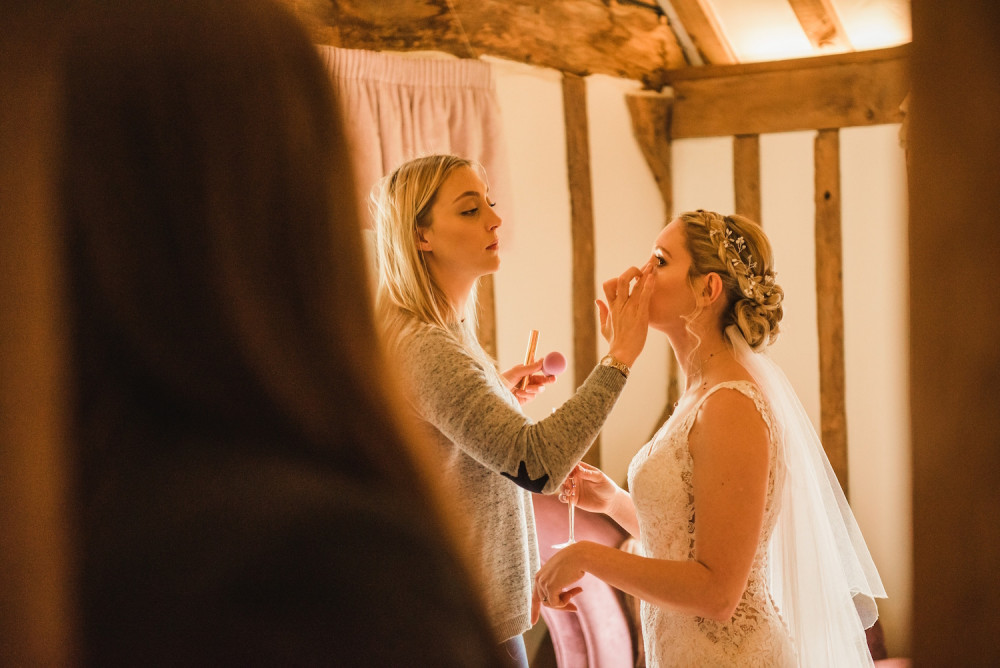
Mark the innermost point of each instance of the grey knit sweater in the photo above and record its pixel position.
(481, 432)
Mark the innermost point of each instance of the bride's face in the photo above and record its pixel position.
(672, 295)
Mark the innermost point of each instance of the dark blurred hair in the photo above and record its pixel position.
(217, 266)
(219, 303)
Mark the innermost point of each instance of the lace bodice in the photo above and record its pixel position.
(660, 480)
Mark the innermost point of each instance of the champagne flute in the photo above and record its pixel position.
(571, 502)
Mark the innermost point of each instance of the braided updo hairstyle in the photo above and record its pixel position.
(736, 248)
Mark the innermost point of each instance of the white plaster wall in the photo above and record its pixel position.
(533, 285)
(788, 214)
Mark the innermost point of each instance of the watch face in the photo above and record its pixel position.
(610, 361)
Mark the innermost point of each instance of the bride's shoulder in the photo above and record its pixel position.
(731, 408)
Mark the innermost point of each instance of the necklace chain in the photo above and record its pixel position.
(700, 369)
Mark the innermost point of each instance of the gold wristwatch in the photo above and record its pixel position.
(615, 363)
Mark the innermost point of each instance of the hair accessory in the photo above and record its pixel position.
(757, 287)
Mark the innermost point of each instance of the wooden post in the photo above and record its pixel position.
(830, 302)
(746, 176)
(954, 157)
(574, 90)
(37, 617)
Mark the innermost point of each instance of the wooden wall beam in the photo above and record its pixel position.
(574, 91)
(850, 89)
(746, 176)
(830, 302)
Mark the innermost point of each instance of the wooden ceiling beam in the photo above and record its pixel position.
(579, 37)
(702, 25)
(821, 24)
(843, 90)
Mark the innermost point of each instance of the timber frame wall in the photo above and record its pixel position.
(824, 94)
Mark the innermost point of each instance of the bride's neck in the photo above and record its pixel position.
(695, 352)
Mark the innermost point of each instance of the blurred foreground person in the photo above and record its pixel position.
(247, 492)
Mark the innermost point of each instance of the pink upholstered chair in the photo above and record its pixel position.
(597, 635)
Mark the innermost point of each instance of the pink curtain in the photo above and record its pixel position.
(398, 108)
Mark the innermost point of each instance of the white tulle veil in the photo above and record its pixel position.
(823, 579)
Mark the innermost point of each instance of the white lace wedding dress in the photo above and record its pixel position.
(661, 486)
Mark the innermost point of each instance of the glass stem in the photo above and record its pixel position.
(572, 506)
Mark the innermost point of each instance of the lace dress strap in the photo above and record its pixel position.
(745, 387)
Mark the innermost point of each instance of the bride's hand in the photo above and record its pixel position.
(553, 580)
(593, 489)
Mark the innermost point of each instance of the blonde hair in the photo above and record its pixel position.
(736, 248)
(401, 206)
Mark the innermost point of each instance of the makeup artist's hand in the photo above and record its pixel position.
(536, 380)
(625, 316)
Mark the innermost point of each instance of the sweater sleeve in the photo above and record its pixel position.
(470, 407)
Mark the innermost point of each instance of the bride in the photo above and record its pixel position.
(751, 554)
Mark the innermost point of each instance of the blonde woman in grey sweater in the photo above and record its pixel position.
(437, 234)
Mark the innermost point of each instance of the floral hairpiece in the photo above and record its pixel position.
(757, 287)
